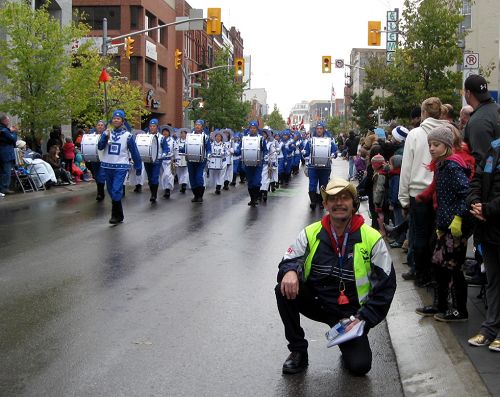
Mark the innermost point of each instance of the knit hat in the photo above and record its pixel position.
(377, 161)
(396, 161)
(400, 133)
(442, 134)
(119, 113)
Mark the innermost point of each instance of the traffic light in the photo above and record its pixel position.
(178, 58)
(374, 33)
(214, 24)
(128, 46)
(327, 64)
(239, 67)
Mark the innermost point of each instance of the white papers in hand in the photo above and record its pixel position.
(355, 332)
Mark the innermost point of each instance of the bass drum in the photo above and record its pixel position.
(250, 151)
(148, 147)
(89, 147)
(321, 152)
(195, 147)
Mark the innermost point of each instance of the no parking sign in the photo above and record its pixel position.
(471, 61)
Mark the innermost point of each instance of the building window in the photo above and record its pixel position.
(466, 11)
(150, 22)
(150, 72)
(163, 34)
(162, 77)
(135, 15)
(134, 68)
(94, 16)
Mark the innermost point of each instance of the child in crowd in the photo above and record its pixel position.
(452, 183)
(79, 169)
(380, 187)
(360, 164)
(394, 205)
(68, 150)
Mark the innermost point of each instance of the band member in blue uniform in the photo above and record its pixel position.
(95, 166)
(281, 158)
(236, 156)
(196, 169)
(254, 173)
(318, 175)
(117, 142)
(228, 174)
(181, 163)
(267, 166)
(217, 162)
(153, 169)
(288, 150)
(167, 148)
(296, 154)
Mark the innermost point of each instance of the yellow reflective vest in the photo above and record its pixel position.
(361, 256)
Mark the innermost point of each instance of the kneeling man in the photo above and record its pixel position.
(337, 268)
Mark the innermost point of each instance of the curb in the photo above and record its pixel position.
(430, 359)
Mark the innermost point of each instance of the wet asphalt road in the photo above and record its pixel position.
(177, 301)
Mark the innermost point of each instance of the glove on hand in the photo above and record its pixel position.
(456, 226)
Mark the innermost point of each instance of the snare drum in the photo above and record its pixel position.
(215, 163)
(195, 147)
(89, 147)
(251, 151)
(147, 145)
(321, 152)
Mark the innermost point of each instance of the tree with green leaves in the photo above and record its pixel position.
(44, 82)
(425, 60)
(334, 124)
(275, 120)
(363, 110)
(222, 105)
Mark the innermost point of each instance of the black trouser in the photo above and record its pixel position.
(356, 353)
(421, 234)
(443, 278)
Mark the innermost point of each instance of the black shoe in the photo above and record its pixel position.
(422, 282)
(264, 196)
(409, 276)
(478, 280)
(183, 188)
(217, 189)
(451, 315)
(167, 194)
(226, 185)
(427, 311)
(138, 189)
(296, 362)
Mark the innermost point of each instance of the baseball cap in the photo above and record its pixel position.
(478, 86)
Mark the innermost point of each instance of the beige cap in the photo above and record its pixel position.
(337, 185)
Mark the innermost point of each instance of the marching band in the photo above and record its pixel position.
(263, 158)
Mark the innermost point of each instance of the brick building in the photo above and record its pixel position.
(152, 64)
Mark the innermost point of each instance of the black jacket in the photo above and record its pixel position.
(485, 189)
(482, 128)
(352, 145)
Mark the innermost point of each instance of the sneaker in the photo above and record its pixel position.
(395, 244)
(477, 280)
(2, 194)
(408, 276)
(479, 340)
(451, 315)
(427, 311)
(495, 345)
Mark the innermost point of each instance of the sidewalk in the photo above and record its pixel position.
(54, 191)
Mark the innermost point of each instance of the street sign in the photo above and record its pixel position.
(471, 61)
(339, 63)
(392, 30)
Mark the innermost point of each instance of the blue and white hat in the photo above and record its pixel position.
(119, 113)
(400, 133)
(200, 122)
(253, 123)
(153, 122)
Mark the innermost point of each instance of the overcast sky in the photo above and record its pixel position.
(286, 40)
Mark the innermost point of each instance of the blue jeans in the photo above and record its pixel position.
(5, 173)
(351, 167)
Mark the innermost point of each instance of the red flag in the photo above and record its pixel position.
(104, 77)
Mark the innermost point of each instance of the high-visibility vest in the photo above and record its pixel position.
(361, 256)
